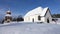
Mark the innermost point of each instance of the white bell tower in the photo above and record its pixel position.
(8, 17)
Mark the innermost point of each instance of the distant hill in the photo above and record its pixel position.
(56, 15)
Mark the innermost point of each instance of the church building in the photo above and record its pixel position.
(38, 14)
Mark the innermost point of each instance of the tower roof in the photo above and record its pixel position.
(8, 12)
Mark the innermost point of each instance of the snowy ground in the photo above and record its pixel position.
(30, 28)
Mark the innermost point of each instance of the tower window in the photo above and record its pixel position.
(39, 17)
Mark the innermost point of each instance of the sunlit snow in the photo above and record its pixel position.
(29, 28)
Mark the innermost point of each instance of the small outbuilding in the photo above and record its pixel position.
(38, 14)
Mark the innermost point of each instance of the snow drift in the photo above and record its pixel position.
(30, 28)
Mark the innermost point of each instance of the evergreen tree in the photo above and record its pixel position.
(56, 15)
(19, 18)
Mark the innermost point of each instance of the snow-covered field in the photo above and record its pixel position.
(29, 28)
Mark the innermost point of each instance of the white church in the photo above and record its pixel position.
(38, 14)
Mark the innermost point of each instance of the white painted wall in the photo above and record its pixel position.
(35, 17)
(30, 18)
(43, 19)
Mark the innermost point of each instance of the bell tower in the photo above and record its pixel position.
(8, 17)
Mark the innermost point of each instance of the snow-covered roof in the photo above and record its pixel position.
(8, 11)
(39, 10)
(7, 15)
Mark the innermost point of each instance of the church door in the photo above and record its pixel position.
(33, 19)
(47, 20)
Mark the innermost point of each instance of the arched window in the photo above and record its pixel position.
(39, 17)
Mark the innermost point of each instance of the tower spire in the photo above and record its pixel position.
(9, 9)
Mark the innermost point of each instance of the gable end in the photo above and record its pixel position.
(47, 11)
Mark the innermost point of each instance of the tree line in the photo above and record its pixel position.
(19, 18)
(56, 15)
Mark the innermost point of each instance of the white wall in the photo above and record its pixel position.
(43, 19)
(30, 18)
(35, 17)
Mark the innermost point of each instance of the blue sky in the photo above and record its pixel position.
(21, 7)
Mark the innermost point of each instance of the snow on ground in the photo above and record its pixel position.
(30, 28)
(57, 22)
